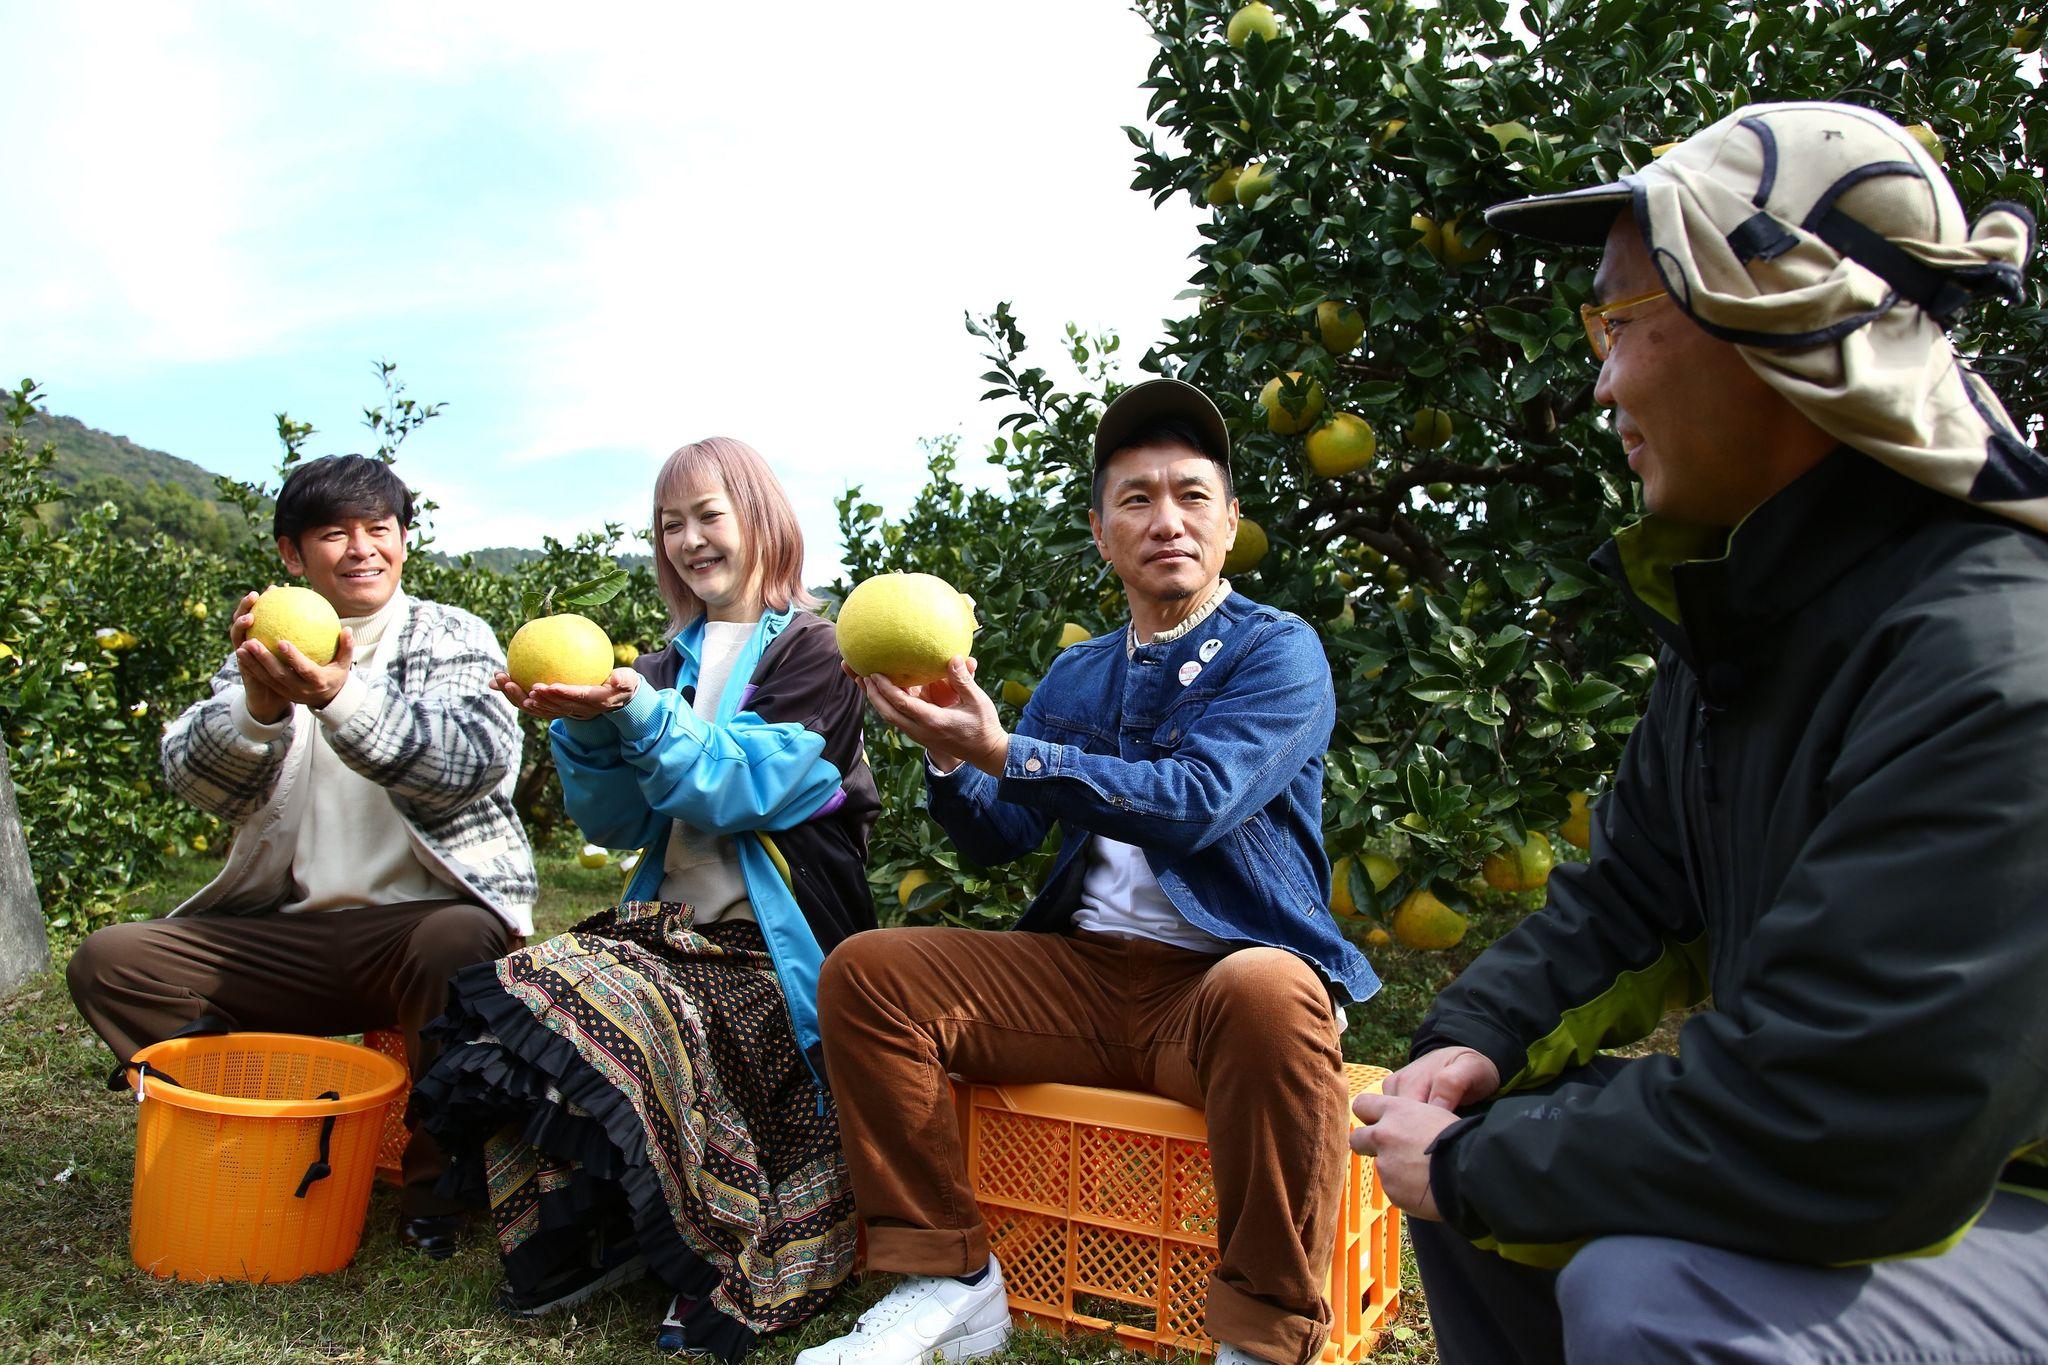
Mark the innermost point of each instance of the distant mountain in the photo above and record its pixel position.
(506, 558)
(157, 491)
(83, 453)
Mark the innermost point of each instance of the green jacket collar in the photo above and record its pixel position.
(1715, 596)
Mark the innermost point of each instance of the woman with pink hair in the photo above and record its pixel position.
(645, 1089)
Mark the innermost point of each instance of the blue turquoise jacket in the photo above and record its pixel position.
(1206, 751)
(780, 768)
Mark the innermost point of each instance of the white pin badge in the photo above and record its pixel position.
(1209, 648)
(1188, 671)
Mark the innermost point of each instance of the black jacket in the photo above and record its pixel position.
(1833, 819)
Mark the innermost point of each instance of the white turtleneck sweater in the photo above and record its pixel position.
(353, 849)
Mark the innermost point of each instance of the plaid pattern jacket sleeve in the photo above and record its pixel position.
(430, 730)
(209, 762)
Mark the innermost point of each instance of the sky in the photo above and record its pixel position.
(594, 235)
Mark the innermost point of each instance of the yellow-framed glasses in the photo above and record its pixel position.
(1599, 330)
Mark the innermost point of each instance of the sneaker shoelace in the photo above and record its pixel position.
(894, 1304)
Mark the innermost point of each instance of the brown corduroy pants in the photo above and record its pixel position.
(1250, 1037)
(324, 973)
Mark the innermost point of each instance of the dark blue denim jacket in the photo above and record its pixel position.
(1205, 751)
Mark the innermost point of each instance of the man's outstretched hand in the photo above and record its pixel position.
(273, 682)
(952, 718)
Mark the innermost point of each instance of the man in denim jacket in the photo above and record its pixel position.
(1181, 944)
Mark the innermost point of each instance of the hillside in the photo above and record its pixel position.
(157, 491)
(84, 453)
(509, 558)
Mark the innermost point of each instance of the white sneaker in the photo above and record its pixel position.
(925, 1318)
(1230, 1355)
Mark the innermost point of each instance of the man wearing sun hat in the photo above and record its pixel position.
(1832, 820)
(1180, 943)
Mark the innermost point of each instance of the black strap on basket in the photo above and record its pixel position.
(117, 1079)
(204, 1026)
(319, 1170)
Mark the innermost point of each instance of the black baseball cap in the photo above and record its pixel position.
(1159, 400)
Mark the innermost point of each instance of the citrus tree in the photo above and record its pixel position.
(99, 633)
(1410, 397)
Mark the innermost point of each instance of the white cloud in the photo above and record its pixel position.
(598, 238)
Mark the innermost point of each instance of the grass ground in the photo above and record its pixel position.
(69, 1292)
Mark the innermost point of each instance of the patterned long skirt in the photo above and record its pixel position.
(637, 1076)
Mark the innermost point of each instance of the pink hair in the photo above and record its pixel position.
(772, 543)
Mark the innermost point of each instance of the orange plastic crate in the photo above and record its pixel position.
(1100, 1202)
(391, 1146)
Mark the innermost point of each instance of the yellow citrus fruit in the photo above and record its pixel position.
(1390, 129)
(1341, 445)
(299, 615)
(1074, 633)
(1247, 549)
(624, 655)
(1341, 903)
(566, 649)
(1222, 190)
(1253, 183)
(1432, 235)
(1931, 140)
(1431, 428)
(1339, 326)
(1458, 252)
(1256, 17)
(1379, 869)
(1505, 134)
(1423, 921)
(1578, 826)
(1016, 693)
(1525, 868)
(912, 880)
(195, 609)
(905, 626)
(592, 856)
(1289, 411)
(1377, 937)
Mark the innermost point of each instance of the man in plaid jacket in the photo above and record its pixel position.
(376, 849)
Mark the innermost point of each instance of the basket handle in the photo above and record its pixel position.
(204, 1025)
(319, 1170)
(117, 1079)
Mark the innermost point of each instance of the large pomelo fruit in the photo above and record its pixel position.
(299, 615)
(568, 649)
(905, 626)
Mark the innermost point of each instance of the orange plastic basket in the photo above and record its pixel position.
(1101, 1208)
(226, 1181)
